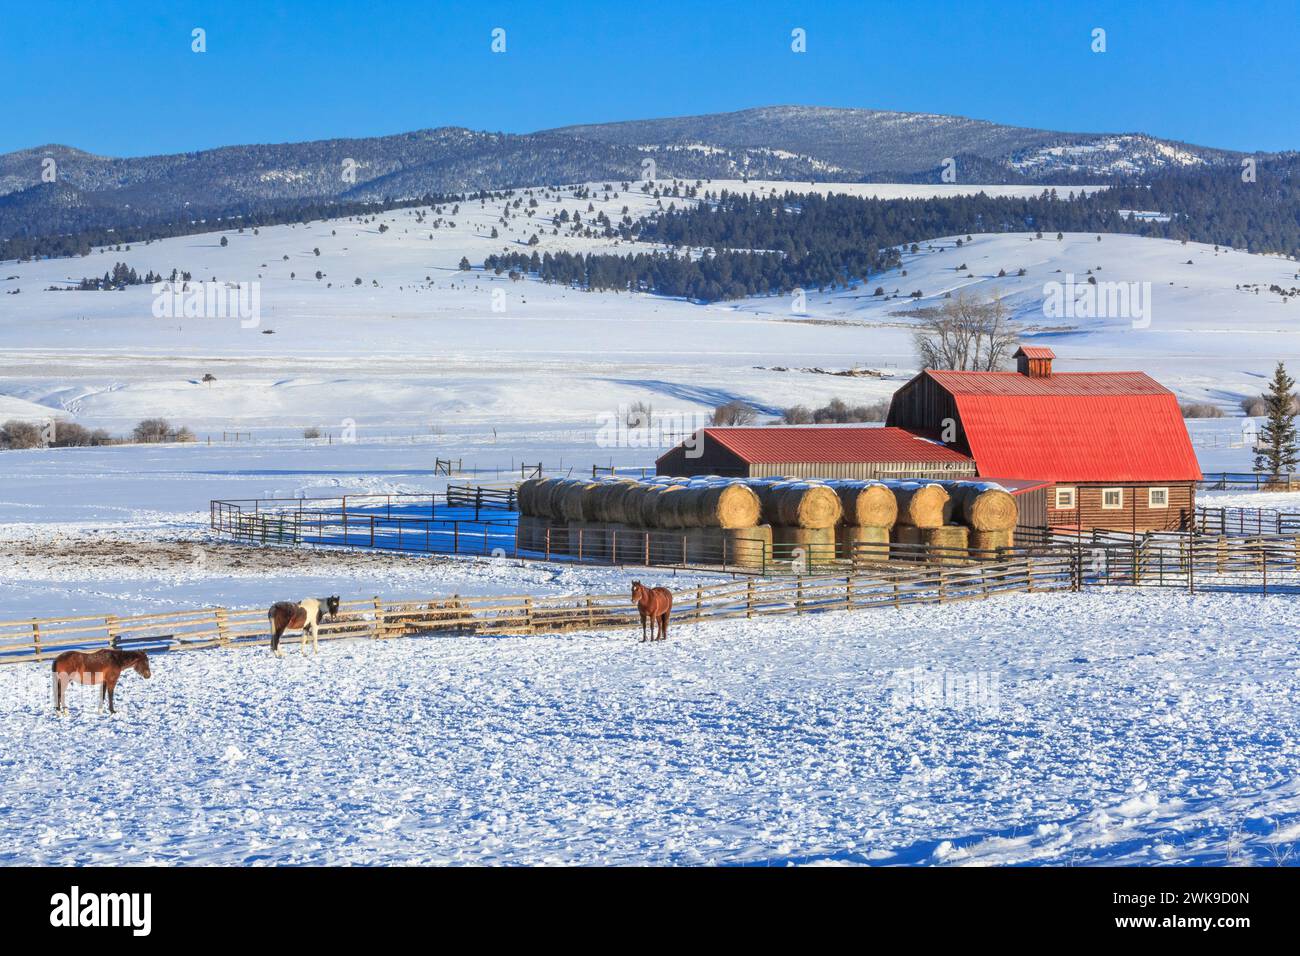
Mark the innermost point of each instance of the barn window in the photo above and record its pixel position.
(1064, 498)
(1157, 497)
(1112, 499)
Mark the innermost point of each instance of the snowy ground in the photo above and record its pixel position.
(1115, 727)
(1122, 727)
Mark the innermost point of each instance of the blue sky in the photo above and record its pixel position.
(119, 78)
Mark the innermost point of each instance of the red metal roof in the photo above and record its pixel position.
(830, 443)
(1035, 352)
(1072, 426)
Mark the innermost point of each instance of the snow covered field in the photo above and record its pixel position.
(1115, 727)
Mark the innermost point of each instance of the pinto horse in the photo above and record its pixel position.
(655, 604)
(305, 616)
(97, 667)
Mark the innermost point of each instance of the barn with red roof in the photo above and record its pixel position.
(1112, 445)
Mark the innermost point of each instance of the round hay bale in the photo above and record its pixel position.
(954, 536)
(747, 547)
(633, 502)
(922, 505)
(719, 505)
(567, 500)
(868, 504)
(599, 502)
(910, 538)
(985, 507)
(987, 544)
(620, 503)
(524, 495)
(810, 546)
(649, 505)
(804, 505)
(862, 544)
(669, 513)
(542, 496)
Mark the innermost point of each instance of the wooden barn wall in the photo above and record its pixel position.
(922, 404)
(863, 469)
(1135, 515)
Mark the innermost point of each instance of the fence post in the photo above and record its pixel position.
(110, 625)
(223, 627)
(1029, 572)
(749, 598)
(591, 620)
(699, 600)
(379, 624)
(528, 613)
(798, 596)
(36, 639)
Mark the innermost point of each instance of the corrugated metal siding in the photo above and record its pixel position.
(835, 443)
(863, 469)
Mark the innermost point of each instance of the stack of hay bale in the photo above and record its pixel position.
(988, 510)
(960, 515)
(870, 510)
(802, 514)
(704, 519)
(709, 519)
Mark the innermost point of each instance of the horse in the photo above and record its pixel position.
(96, 667)
(655, 604)
(305, 615)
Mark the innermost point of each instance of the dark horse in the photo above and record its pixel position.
(655, 604)
(97, 667)
(307, 614)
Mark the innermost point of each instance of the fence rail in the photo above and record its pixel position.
(43, 639)
(1210, 520)
(1220, 480)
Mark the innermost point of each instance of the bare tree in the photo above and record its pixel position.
(966, 334)
(734, 413)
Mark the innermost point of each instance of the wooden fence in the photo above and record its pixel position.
(41, 640)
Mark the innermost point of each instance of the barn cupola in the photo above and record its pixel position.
(1034, 361)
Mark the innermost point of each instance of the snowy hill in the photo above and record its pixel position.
(420, 343)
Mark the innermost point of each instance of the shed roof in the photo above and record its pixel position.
(829, 443)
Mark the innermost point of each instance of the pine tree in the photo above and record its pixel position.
(1278, 435)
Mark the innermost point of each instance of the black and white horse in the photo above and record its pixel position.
(305, 615)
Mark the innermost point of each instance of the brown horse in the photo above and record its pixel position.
(305, 615)
(655, 604)
(97, 667)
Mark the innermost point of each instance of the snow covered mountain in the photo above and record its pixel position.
(796, 143)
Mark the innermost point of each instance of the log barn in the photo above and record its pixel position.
(1111, 447)
(815, 451)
